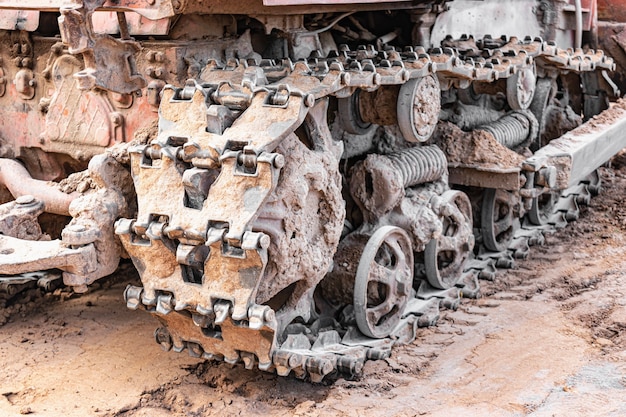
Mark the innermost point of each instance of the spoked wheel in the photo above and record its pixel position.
(383, 283)
(543, 207)
(499, 219)
(445, 257)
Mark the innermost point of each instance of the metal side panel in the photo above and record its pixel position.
(309, 2)
(151, 9)
(587, 147)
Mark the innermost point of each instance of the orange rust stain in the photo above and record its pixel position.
(612, 10)
(141, 115)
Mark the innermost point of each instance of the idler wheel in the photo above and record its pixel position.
(419, 104)
(350, 118)
(520, 88)
(445, 256)
(383, 283)
(499, 219)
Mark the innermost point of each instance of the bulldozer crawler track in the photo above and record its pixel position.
(239, 330)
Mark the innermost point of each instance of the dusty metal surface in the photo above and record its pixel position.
(87, 249)
(152, 9)
(19, 182)
(587, 147)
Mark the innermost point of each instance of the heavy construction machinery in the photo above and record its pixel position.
(300, 184)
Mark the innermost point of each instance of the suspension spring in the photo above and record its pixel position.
(378, 183)
(469, 117)
(513, 129)
(419, 165)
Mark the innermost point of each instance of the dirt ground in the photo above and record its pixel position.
(546, 339)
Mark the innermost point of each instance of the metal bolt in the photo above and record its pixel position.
(25, 199)
(269, 315)
(295, 360)
(401, 287)
(309, 100)
(264, 242)
(279, 161)
(116, 119)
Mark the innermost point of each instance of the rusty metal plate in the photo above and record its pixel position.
(75, 115)
(230, 340)
(152, 9)
(40, 255)
(612, 10)
(19, 20)
(484, 177)
(311, 2)
(231, 191)
(106, 23)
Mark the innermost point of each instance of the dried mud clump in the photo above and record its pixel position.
(304, 217)
(78, 181)
(477, 147)
(607, 117)
(558, 121)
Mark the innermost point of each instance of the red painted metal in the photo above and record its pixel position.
(612, 10)
(311, 2)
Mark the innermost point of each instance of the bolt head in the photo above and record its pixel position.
(279, 161)
(269, 315)
(264, 241)
(25, 200)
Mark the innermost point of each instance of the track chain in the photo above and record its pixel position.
(325, 345)
(458, 63)
(348, 352)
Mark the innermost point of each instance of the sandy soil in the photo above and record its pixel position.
(546, 339)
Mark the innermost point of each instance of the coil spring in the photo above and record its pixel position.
(469, 117)
(420, 164)
(513, 129)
